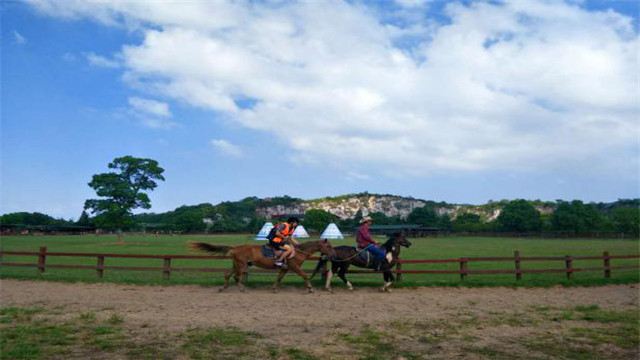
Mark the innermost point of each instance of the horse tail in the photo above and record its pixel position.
(212, 248)
(323, 260)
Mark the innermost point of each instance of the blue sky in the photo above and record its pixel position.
(263, 100)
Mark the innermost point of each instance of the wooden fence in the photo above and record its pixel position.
(463, 264)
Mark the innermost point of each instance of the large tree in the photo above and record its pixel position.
(123, 190)
(519, 216)
(318, 219)
(425, 216)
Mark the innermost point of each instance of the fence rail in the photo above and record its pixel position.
(463, 264)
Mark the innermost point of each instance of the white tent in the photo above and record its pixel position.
(331, 232)
(262, 235)
(300, 232)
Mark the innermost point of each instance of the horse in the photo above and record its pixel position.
(245, 255)
(348, 255)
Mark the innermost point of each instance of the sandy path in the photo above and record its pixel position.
(175, 308)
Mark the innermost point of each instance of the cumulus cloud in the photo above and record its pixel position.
(525, 84)
(227, 148)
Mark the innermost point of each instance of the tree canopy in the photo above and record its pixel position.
(122, 190)
(519, 216)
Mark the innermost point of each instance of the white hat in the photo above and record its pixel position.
(365, 219)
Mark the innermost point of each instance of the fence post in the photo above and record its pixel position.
(399, 271)
(569, 266)
(166, 271)
(42, 258)
(463, 268)
(516, 258)
(607, 264)
(100, 266)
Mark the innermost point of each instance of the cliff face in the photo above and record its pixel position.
(346, 207)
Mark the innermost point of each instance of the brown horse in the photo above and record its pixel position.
(245, 255)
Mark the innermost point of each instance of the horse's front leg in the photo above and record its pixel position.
(276, 284)
(388, 280)
(342, 274)
(296, 268)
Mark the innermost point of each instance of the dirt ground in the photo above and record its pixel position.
(493, 317)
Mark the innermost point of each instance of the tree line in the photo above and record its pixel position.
(123, 190)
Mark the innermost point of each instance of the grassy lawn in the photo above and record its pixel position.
(423, 248)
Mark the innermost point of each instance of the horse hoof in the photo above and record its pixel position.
(275, 291)
(310, 291)
(222, 289)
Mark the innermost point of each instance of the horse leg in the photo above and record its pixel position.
(327, 284)
(276, 284)
(296, 268)
(239, 276)
(342, 271)
(388, 280)
(227, 276)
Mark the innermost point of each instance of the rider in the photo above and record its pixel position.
(366, 242)
(282, 238)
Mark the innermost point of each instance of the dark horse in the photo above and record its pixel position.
(348, 255)
(245, 255)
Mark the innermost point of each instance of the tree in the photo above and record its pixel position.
(577, 217)
(317, 219)
(424, 216)
(122, 190)
(627, 220)
(467, 222)
(519, 216)
(84, 219)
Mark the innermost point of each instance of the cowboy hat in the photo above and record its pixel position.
(365, 219)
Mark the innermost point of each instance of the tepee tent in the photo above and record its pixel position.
(262, 234)
(300, 232)
(331, 232)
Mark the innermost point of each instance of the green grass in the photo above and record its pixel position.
(424, 248)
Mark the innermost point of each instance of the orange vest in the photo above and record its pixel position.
(288, 231)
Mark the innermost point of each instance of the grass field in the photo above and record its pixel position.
(423, 248)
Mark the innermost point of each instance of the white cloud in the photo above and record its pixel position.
(152, 113)
(526, 85)
(18, 38)
(150, 107)
(101, 61)
(226, 148)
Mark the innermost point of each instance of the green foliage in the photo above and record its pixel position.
(627, 220)
(519, 216)
(33, 219)
(576, 216)
(317, 220)
(467, 222)
(123, 190)
(380, 218)
(425, 216)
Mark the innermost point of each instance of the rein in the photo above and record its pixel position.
(350, 257)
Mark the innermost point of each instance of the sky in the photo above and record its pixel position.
(457, 101)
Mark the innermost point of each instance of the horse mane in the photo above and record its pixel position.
(306, 245)
(391, 240)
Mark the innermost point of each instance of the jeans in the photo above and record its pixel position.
(377, 252)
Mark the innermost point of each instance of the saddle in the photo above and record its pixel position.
(268, 251)
(370, 261)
